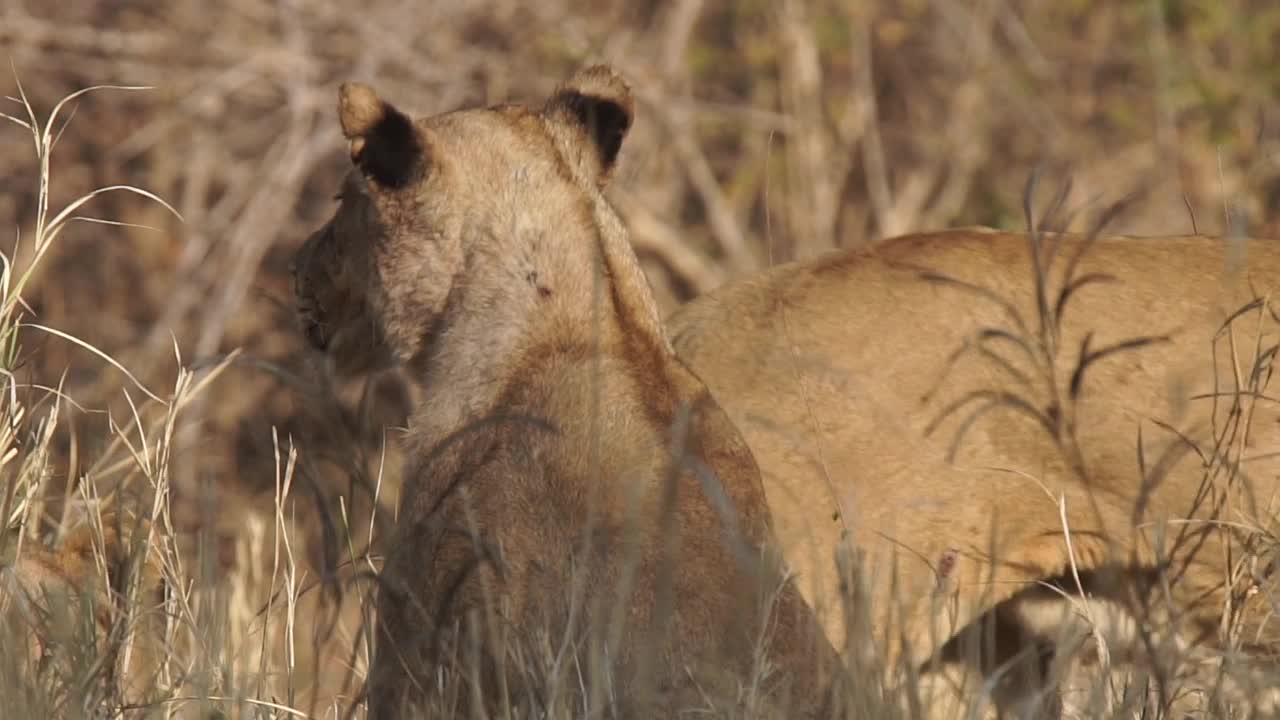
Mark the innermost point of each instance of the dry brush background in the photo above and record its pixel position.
(767, 130)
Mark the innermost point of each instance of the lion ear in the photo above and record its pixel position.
(598, 101)
(384, 143)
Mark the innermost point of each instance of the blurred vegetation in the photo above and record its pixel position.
(767, 130)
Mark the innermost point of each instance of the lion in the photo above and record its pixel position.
(1019, 426)
(578, 510)
(65, 618)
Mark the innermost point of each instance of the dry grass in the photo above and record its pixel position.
(107, 609)
(162, 442)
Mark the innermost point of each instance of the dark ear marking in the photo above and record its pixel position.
(599, 101)
(384, 144)
(606, 123)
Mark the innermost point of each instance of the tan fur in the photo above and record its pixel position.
(576, 499)
(836, 368)
(63, 601)
(359, 110)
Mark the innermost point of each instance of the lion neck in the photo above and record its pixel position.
(580, 287)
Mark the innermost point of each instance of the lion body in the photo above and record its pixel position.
(881, 402)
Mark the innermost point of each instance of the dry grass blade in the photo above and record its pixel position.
(67, 212)
(91, 348)
(1039, 265)
(19, 121)
(1089, 356)
(988, 400)
(1074, 285)
(1010, 309)
(1104, 220)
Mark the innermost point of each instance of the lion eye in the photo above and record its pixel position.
(340, 196)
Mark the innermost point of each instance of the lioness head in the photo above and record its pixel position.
(371, 284)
